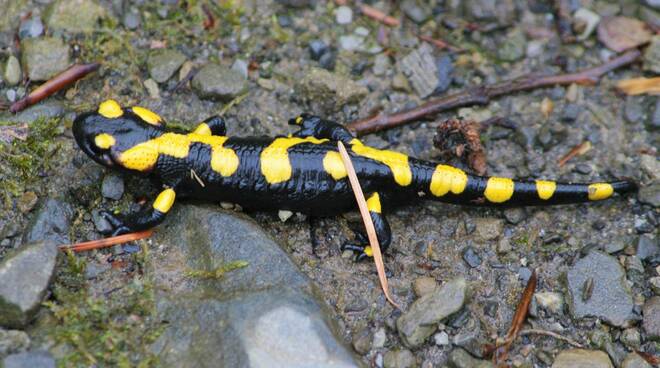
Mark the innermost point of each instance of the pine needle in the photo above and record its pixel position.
(106, 242)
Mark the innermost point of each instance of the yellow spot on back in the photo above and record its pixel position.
(147, 115)
(598, 191)
(275, 163)
(165, 200)
(110, 109)
(202, 129)
(368, 251)
(397, 162)
(334, 166)
(499, 190)
(104, 141)
(448, 179)
(143, 156)
(373, 203)
(545, 189)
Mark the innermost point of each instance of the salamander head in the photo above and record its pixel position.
(110, 130)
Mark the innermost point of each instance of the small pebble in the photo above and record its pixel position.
(112, 186)
(241, 66)
(441, 338)
(570, 113)
(317, 48)
(102, 225)
(284, 21)
(380, 338)
(327, 61)
(471, 257)
(152, 88)
(424, 285)
(131, 20)
(344, 15)
(31, 28)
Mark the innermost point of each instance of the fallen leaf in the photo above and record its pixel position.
(623, 33)
(638, 86)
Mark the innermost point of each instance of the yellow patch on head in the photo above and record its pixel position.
(165, 200)
(598, 191)
(104, 141)
(275, 163)
(334, 166)
(299, 120)
(373, 203)
(545, 189)
(397, 162)
(147, 115)
(499, 190)
(448, 179)
(202, 129)
(110, 109)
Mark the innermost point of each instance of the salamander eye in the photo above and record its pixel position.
(104, 141)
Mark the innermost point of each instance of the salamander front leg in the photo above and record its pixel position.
(361, 245)
(143, 219)
(215, 125)
(314, 126)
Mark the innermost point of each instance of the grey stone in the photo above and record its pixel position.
(488, 228)
(610, 297)
(514, 215)
(78, 16)
(215, 81)
(256, 316)
(417, 12)
(47, 110)
(330, 90)
(344, 15)
(351, 42)
(131, 20)
(30, 359)
(513, 47)
(655, 117)
(317, 48)
(51, 223)
(112, 186)
(12, 73)
(634, 360)
(44, 57)
(441, 338)
(163, 63)
(655, 284)
(380, 338)
(617, 244)
(399, 359)
(651, 322)
(582, 358)
(571, 112)
(460, 358)
(631, 338)
(102, 225)
(650, 194)
(25, 278)
(471, 257)
(504, 11)
(420, 68)
(13, 341)
(420, 320)
(240, 66)
(633, 109)
(647, 247)
(11, 13)
(601, 339)
(30, 28)
(381, 64)
(362, 341)
(652, 55)
(470, 337)
(445, 70)
(424, 285)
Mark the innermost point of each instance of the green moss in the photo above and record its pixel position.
(24, 161)
(112, 330)
(219, 272)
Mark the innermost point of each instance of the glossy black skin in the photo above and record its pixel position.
(310, 189)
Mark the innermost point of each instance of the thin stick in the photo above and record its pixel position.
(107, 242)
(441, 44)
(557, 336)
(378, 15)
(57, 83)
(483, 94)
(368, 223)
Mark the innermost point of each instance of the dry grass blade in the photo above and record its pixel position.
(551, 334)
(578, 150)
(368, 224)
(638, 86)
(107, 242)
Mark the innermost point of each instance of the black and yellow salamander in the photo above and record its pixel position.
(302, 172)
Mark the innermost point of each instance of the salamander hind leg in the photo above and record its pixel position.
(144, 219)
(215, 125)
(361, 243)
(314, 126)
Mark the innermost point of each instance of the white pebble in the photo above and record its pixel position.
(344, 15)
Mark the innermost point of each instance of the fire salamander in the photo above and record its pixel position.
(302, 172)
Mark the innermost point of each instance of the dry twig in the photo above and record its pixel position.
(483, 94)
(368, 223)
(107, 242)
(57, 83)
(578, 150)
(378, 15)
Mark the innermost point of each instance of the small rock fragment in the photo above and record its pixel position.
(399, 359)
(421, 70)
(634, 360)
(652, 56)
(513, 48)
(317, 48)
(215, 81)
(550, 301)
(380, 338)
(651, 322)
(489, 228)
(131, 20)
(647, 247)
(623, 33)
(30, 28)
(582, 358)
(416, 11)
(460, 358)
(13, 341)
(78, 16)
(586, 20)
(424, 285)
(420, 320)
(362, 341)
(631, 338)
(12, 71)
(331, 91)
(471, 257)
(112, 186)
(152, 88)
(344, 15)
(44, 57)
(163, 63)
(650, 194)
(51, 223)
